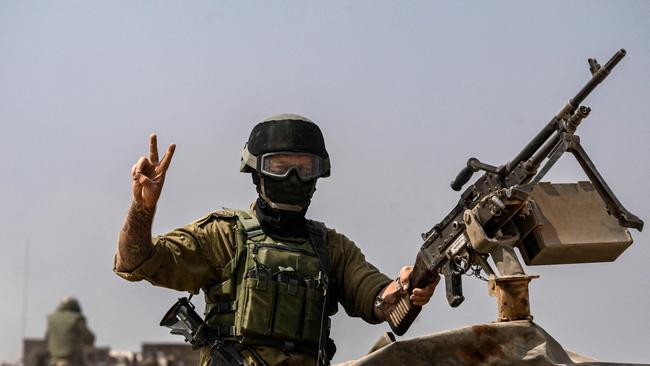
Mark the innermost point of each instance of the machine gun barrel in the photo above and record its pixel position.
(597, 78)
(534, 144)
(599, 74)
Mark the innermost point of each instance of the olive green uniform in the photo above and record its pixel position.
(65, 337)
(196, 256)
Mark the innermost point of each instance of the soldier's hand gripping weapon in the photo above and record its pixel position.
(495, 212)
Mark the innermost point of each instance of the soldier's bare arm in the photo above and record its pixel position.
(134, 243)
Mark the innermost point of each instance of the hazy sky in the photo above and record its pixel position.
(404, 93)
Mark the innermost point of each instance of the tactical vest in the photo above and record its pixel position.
(274, 290)
(64, 338)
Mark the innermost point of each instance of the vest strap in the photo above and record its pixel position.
(254, 233)
(318, 238)
(222, 307)
(249, 222)
(317, 234)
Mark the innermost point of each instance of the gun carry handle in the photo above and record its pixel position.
(464, 175)
(473, 165)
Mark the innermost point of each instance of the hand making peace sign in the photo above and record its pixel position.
(149, 174)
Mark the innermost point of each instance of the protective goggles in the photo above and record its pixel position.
(280, 164)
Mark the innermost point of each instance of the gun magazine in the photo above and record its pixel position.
(401, 314)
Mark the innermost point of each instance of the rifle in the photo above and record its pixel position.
(486, 221)
(183, 320)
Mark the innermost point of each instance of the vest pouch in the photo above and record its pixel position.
(287, 323)
(314, 302)
(256, 303)
(215, 297)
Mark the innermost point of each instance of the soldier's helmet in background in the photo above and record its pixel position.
(69, 303)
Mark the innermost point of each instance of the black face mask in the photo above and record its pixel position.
(282, 224)
(290, 191)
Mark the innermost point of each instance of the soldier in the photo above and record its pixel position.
(67, 334)
(271, 277)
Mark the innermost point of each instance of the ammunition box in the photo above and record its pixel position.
(569, 223)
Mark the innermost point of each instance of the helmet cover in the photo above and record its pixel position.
(284, 133)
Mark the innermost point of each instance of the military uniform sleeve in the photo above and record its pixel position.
(187, 258)
(358, 282)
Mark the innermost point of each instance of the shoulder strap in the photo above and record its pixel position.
(247, 227)
(250, 225)
(318, 238)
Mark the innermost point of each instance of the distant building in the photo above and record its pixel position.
(151, 354)
(169, 354)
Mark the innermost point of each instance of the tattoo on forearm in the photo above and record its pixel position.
(135, 238)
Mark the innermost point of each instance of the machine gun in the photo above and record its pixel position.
(503, 209)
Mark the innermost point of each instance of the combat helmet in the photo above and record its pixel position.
(286, 154)
(69, 303)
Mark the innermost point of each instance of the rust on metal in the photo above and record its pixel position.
(512, 297)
